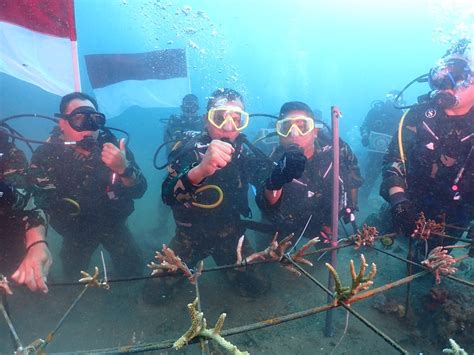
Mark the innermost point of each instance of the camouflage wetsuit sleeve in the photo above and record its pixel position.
(176, 187)
(394, 168)
(15, 174)
(41, 174)
(138, 189)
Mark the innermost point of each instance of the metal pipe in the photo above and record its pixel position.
(335, 114)
(11, 328)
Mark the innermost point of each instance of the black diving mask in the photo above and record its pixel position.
(84, 118)
(450, 74)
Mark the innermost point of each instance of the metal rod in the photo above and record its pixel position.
(335, 114)
(451, 277)
(167, 344)
(386, 287)
(51, 335)
(356, 314)
(409, 273)
(13, 333)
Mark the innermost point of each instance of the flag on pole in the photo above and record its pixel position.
(151, 79)
(38, 43)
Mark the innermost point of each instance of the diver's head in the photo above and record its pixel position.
(393, 97)
(79, 118)
(296, 126)
(190, 105)
(225, 116)
(452, 78)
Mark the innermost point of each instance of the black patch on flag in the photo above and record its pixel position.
(108, 69)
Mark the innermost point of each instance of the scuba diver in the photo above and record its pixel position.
(86, 181)
(207, 188)
(376, 132)
(188, 120)
(429, 166)
(24, 252)
(298, 194)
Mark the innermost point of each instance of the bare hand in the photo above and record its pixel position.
(217, 156)
(34, 268)
(115, 158)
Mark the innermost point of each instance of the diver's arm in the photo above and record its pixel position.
(394, 167)
(133, 178)
(37, 261)
(35, 266)
(217, 156)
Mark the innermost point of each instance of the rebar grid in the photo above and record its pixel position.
(289, 317)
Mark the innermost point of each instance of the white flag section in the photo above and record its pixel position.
(149, 80)
(37, 58)
(116, 98)
(38, 43)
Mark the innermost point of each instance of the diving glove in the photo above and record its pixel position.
(403, 213)
(290, 166)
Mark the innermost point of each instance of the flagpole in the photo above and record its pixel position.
(75, 66)
(74, 50)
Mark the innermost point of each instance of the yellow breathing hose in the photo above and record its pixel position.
(212, 205)
(400, 137)
(75, 204)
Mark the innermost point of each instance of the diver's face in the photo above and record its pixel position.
(189, 109)
(69, 133)
(228, 131)
(464, 96)
(305, 142)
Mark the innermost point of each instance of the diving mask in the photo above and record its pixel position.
(84, 118)
(450, 74)
(302, 124)
(223, 116)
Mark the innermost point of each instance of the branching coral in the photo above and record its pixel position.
(276, 250)
(360, 282)
(440, 263)
(366, 237)
(199, 328)
(425, 228)
(170, 262)
(93, 280)
(454, 349)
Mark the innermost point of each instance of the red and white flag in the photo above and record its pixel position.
(152, 79)
(38, 43)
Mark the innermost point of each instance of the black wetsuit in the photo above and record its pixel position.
(436, 147)
(215, 232)
(382, 118)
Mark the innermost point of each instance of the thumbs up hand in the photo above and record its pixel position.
(115, 158)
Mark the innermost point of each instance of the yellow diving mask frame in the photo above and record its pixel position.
(220, 116)
(302, 124)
